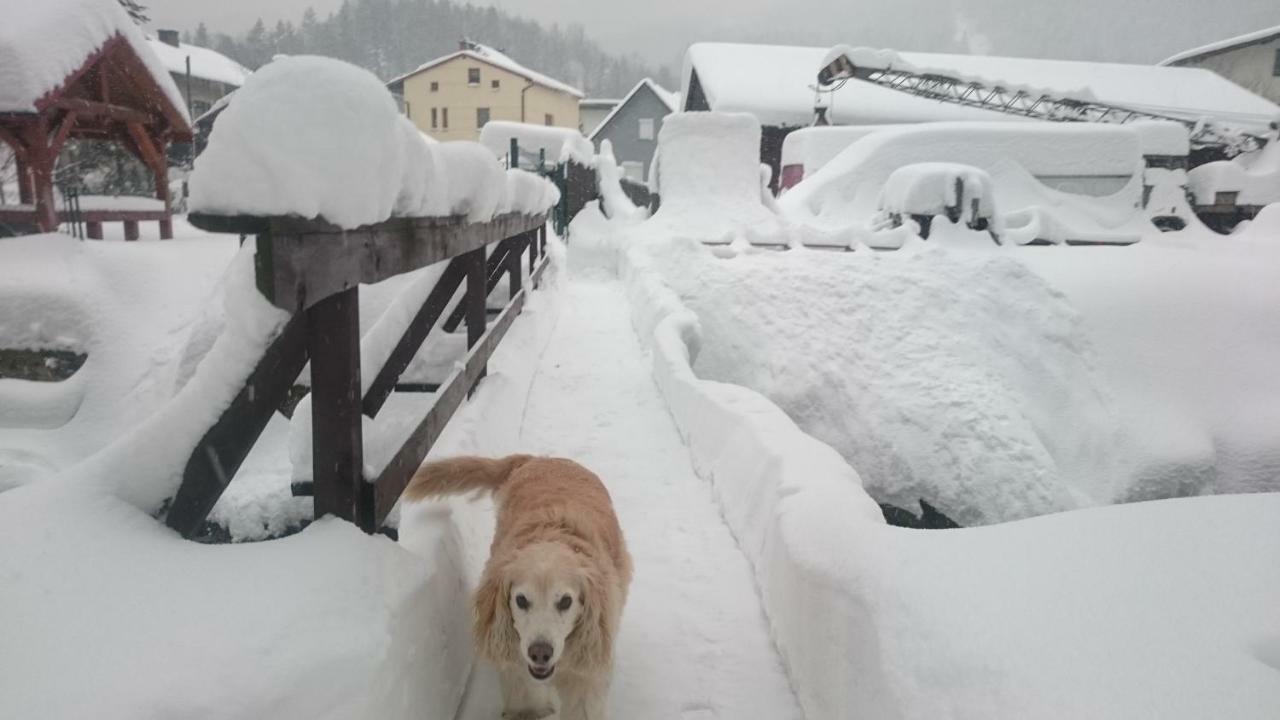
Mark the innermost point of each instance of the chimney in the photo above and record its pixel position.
(168, 37)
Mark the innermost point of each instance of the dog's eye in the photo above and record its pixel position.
(522, 602)
(564, 603)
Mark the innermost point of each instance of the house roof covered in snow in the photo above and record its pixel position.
(776, 83)
(206, 64)
(669, 99)
(1214, 48)
(43, 45)
(496, 58)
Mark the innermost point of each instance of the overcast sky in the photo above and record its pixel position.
(659, 30)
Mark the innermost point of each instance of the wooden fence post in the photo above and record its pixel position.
(474, 301)
(337, 447)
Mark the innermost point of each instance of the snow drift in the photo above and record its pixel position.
(268, 155)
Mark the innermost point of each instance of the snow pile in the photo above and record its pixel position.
(41, 44)
(555, 144)
(268, 155)
(123, 619)
(1103, 161)
(206, 64)
(131, 308)
(306, 136)
(615, 203)
(1116, 612)
(1255, 178)
(1186, 327)
(939, 189)
(961, 379)
(709, 177)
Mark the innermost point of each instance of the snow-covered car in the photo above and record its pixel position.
(923, 191)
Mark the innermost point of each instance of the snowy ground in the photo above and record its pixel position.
(694, 642)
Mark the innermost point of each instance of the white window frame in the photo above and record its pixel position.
(646, 128)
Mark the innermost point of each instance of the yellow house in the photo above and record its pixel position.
(452, 97)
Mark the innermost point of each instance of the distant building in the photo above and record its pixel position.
(452, 97)
(1251, 61)
(592, 110)
(776, 84)
(213, 75)
(632, 128)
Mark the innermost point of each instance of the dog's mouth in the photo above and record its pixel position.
(540, 672)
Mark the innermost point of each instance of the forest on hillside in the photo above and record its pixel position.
(391, 37)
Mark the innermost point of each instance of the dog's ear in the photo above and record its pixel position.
(590, 645)
(493, 627)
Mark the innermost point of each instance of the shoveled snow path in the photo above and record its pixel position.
(694, 642)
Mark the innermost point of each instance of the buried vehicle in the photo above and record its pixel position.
(923, 191)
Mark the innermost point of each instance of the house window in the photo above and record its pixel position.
(646, 128)
(482, 117)
(407, 112)
(473, 76)
(435, 86)
(493, 84)
(633, 170)
(1275, 71)
(434, 118)
(444, 118)
(548, 119)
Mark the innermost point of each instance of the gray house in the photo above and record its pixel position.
(633, 127)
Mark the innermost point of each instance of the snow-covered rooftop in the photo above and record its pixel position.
(489, 55)
(1213, 48)
(775, 83)
(206, 64)
(42, 43)
(668, 98)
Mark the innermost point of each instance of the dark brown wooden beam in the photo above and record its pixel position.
(419, 328)
(311, 261)
(95, 109)
(63, 131)
(337, 432)
(215, 460)
(393, 479)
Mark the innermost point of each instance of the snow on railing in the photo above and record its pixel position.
(340, 190)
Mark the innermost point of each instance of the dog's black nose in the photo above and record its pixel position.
(540, 652)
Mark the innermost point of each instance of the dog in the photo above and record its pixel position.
(549, 602)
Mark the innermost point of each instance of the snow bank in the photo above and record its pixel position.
(1103, 163)
(1255, 179)
(360, 164)
(609, 185)
(129, 307)
(43, 43)
(558, 144)
(1115, 612)
(709, 178)
(123, 619)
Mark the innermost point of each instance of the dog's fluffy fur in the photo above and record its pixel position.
(556, 536)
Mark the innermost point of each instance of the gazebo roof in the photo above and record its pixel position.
(56, 54)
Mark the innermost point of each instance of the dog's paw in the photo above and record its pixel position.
(529, 714)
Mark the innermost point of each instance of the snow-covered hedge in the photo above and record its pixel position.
(317, 137)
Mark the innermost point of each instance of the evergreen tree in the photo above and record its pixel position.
(136, 10)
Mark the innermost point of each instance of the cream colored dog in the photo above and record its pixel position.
(551, 596)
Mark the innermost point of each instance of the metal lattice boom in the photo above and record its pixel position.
(1204, 133)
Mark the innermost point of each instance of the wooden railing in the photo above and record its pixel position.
(313, 270)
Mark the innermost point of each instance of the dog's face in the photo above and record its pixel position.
(545, 605)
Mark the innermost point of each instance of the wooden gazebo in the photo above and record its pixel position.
(115, 94)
